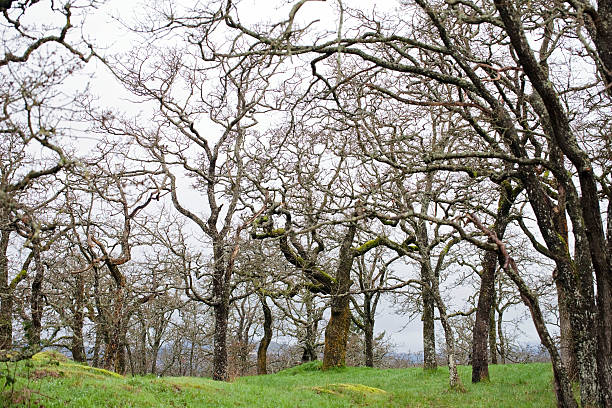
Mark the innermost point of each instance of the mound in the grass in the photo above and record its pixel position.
(55, 364)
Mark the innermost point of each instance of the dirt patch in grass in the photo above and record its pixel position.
(38, 374)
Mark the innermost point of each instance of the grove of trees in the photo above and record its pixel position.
(276, 173)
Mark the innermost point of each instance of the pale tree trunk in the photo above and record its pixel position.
(432, 286)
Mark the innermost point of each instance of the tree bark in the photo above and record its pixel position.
(566, 348)
(262, 351)
(6, 297)
(336, 332)
(220, 294)
(36, 299)
(368, 331)
(77, 348)
(429, 334)
(482, 324)
(493, 333)
(114, 354)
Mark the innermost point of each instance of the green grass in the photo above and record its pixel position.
(51, 380)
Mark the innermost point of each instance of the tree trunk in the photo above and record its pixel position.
(36, 299)
(312, 326)
(429, 335)
(262, 351)
(368, 333)
(567, 350)
(500, 335)
(221, 313)
(480, 346)
(6, 297)
(114, 355)
(220, 292)
(493, 334)
(336, 332)
(78, 348)
(480, 361)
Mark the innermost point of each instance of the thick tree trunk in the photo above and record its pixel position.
(221, 313)
(6, 297)
(336, 332)
(220, 292)
(154, 354)
(114, 354)
(262, 351)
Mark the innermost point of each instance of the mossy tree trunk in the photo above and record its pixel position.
(336, 332)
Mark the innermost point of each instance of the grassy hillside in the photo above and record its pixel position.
(51, 380)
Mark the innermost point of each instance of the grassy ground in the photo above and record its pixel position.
(51, 380)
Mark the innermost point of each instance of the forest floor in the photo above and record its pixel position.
(51, 380)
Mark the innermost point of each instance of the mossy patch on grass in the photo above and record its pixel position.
(49, 357)
(94, 370)
(348, 388)
(356, 393)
